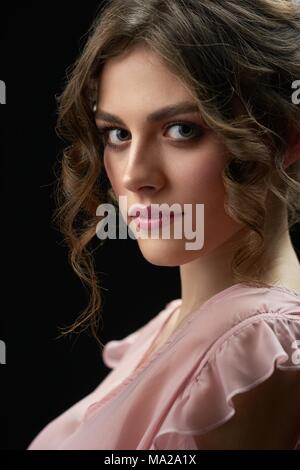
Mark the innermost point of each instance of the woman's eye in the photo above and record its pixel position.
(185, 131)
(116, 135)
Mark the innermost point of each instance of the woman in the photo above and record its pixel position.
(191, 102)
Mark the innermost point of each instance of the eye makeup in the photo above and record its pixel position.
(197, 133)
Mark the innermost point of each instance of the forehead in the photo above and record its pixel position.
(139, 76)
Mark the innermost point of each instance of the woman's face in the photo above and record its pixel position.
(165, 159)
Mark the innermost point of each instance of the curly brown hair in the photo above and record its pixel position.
(226, 53)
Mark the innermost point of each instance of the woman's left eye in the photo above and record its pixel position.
(188, 130)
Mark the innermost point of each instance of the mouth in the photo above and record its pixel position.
(149, 222)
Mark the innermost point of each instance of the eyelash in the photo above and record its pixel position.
(103, 131)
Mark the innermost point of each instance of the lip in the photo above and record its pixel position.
(144, 212)
(147, 223)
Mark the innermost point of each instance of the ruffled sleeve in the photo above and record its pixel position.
(238, 361)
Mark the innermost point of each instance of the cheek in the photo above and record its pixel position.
(210, 191)
(201, 183)
(200, 175)
(113, 174)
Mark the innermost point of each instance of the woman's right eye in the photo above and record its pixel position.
(115, 135)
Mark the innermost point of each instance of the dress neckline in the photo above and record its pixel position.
(172, 308)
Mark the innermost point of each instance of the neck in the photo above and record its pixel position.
(209, 274)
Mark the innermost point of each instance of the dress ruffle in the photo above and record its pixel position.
(236, 363)
(114, 351)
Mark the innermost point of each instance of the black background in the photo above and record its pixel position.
(43, 376)
(39, 291)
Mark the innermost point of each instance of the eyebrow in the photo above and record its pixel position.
(167, 112)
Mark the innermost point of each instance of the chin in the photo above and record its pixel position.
(168, 253)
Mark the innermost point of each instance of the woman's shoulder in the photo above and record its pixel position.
(240, 305)
(257, 325)
(253, 374)
(245, 300)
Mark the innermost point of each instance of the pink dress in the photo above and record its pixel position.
(230, 344)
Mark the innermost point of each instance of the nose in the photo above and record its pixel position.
(143, 169)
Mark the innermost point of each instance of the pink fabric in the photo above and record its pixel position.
(233, 342)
